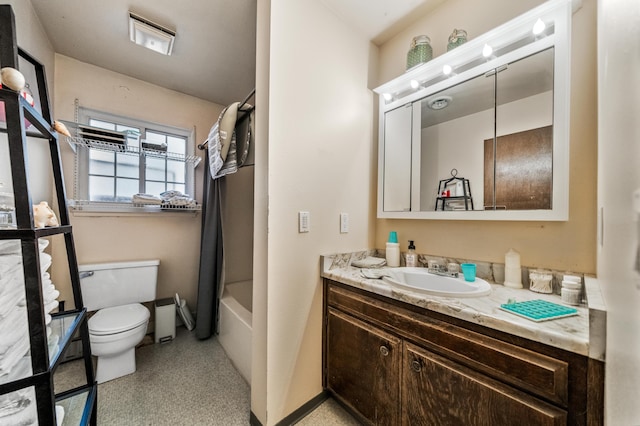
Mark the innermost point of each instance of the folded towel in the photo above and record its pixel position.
(9, 247)
(170, 194)
(176, 199)
(13, 354)
(369, 262)
(146, 199)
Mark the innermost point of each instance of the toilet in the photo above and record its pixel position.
(116, 291)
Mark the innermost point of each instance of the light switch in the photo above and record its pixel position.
(303, 222)
(344, 223)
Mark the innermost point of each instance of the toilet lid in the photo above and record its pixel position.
(118, 319)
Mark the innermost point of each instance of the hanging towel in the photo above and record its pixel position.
(229, 150)
(221, 138)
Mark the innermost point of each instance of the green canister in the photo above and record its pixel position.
(456, 38)
(420, 51)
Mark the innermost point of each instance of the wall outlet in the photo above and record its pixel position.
(344, 223)
(304, 224)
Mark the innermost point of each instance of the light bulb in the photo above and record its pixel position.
(387, 96)
(538, 27)
(446, 70)
(414, 84)
(487, 51)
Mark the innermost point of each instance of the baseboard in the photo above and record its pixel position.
(304, 410)
(297, 415)
(253, 420)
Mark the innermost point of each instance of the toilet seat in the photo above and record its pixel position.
(118, 319)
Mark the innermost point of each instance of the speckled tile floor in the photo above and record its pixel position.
(329, 413)
(187, 381)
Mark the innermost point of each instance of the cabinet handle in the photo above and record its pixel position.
(416, 366)
(384, 350)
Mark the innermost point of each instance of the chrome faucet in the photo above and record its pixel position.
(441, 270)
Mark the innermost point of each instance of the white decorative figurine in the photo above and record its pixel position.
(44, 216)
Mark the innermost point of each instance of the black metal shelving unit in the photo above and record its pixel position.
(442, 200)
(43, 362)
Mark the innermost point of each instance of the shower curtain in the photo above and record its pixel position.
(211, 256)
(211, 276)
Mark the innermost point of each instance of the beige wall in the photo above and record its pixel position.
(567, 245)
(320, 133)
(174, 238)
(261, 216)
(32, 38)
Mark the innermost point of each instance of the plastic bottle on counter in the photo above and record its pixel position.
(393, 250)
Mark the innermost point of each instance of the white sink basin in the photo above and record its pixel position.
(421, 281)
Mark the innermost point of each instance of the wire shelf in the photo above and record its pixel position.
(104, 206)
(75, 141)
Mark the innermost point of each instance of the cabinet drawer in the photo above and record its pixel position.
(535, 373)
(438, 391)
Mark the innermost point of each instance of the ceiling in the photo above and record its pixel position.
(214, 52)
(213, 55)
(380, 20)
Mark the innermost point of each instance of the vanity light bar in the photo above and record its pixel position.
(526, 29)
(538, 27)
(487, 51)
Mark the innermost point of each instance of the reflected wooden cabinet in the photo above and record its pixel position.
(390, 363)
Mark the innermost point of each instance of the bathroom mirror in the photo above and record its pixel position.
(487, 140)
(496, 130)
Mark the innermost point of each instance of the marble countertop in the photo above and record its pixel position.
(582, 334)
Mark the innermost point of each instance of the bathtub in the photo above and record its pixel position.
(235, 325)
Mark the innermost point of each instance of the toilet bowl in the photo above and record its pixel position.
(114, 333)
(116, 291)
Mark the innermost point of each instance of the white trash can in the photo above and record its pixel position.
(165, 323)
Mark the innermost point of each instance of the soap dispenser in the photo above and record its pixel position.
(411, 257)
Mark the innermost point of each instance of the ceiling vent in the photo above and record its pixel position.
(150, 35)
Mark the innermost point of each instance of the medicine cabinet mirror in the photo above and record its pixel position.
(477, 136)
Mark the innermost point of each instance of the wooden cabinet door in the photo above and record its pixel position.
(363, 367)
(437, 391)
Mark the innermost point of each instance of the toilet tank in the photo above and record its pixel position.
(113, 284)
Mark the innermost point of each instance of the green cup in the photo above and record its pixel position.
(469, 271)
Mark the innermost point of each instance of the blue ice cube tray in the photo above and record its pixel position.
(539, 310)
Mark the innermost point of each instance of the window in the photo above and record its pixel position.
(152, 162)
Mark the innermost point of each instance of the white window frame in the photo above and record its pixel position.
(81, 189)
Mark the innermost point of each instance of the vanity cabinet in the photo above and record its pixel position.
(363, 366)
(393, 363)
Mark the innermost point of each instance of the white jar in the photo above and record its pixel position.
(570, 296)
(571, 289)
(540, 281)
